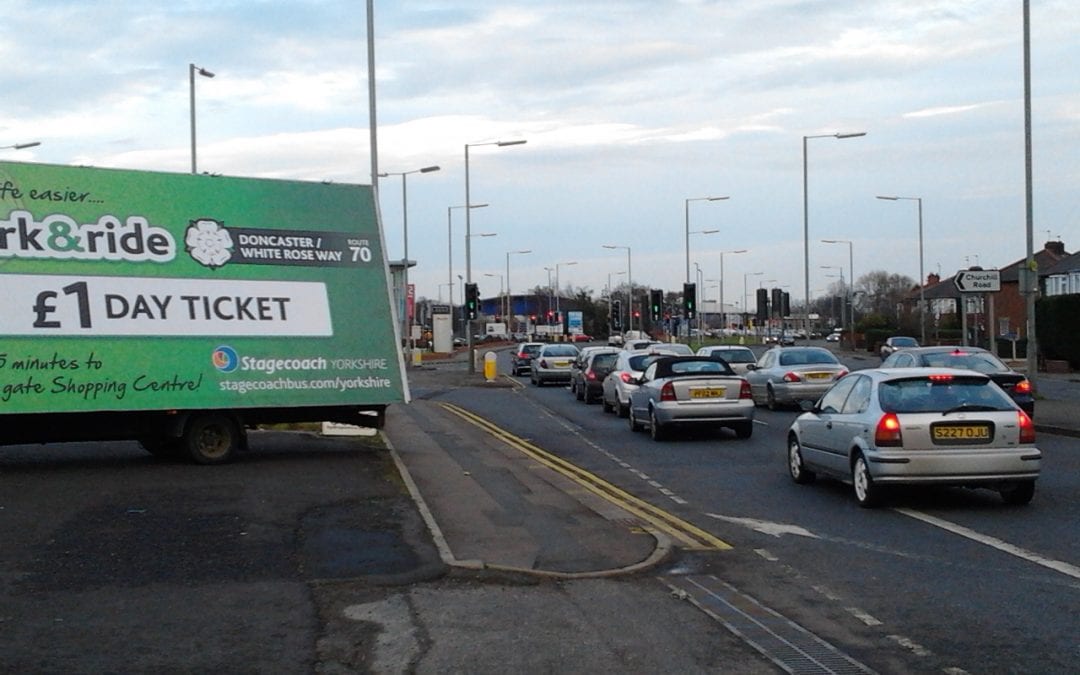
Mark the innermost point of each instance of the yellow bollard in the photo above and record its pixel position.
(489, 366)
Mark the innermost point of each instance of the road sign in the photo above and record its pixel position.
(978, 281)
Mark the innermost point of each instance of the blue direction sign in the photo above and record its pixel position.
(978, 281)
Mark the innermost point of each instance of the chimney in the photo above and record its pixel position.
(1056, 248)
(933, 279)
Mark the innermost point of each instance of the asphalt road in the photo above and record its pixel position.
(946, 578)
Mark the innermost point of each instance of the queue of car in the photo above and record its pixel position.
(947, 416)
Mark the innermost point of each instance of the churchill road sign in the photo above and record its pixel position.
(978, 281)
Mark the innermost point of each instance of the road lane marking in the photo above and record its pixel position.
(993, 542)
(765, 526)
(690, 536)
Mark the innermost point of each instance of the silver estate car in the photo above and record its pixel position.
(736, 356)
(788, 375)
(552, 364)
(921, 426)
(691, 391)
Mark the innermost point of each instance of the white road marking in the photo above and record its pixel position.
(863, 616)
(993, 542)
(765, 526)
(909, 644)
(766, 555)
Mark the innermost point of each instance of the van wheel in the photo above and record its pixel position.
(211, 439)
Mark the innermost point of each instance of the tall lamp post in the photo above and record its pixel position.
(192, 70)
(723, 320)
(806, 218)
(509, 298)
(922, 276)
(630, 285)
(850, 297)
(558, 290)
(686, 222)
(468, 233)
(406, 314)
(450, 250)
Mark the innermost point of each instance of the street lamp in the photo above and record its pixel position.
(686, 221)
(806, 218)
(557, 289)
(406, 315)
(850, 297)
(723, 321)
(922, 277)
(192, 70)
(468, 232)
(509, 299)
(450, 249)
(21, 146)
(629, 283)
(489, 274)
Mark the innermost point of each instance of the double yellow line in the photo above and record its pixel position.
(687, 535)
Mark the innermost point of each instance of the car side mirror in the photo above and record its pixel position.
(751, 366)
(807, 405)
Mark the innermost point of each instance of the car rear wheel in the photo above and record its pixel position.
(743, 429)
(799, 473)
(624, 410)
(605, 406)
(634, 425)
(1019, 494)
(866, 493)
(770, 399)
(579, 391)
(656, 432)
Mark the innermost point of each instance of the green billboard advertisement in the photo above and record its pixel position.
(134, 290)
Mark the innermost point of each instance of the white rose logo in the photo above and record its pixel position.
(208, 242)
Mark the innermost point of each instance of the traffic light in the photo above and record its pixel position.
(656, 303)
(762, 304)
(551, 317)
(616, 314)
(776, 301)
(785, 304)
(472, 301)
(689, 300)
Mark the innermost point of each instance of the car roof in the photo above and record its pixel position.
(664, 364)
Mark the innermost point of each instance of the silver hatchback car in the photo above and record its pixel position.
(789, 375)
(552, 364)
(916, 426)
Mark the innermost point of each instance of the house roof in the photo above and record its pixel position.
(1070, 263)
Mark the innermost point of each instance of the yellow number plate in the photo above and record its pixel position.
(562, 364)
(710, 392)
(818, 376)
(971, 432)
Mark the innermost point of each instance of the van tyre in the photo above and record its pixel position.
(211, 439)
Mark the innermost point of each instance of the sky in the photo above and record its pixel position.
(629, 108)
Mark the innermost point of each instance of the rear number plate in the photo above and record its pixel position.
(960, 433)
(707, 392)
(818, 376)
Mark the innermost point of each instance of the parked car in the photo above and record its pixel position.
(523, 356)
(623, 379)
(690, 391)
(895, 343)
(552, 363)
(788, 375)
(580, 337)
(917, 426)
(587, 382)
(736, 356)
(980, 360)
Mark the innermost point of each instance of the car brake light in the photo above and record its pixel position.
(744, 390)
(792, 377)
(841, 374)
(940, 378)
(1027, 428)
(887, 433)
(626, 377)
(590, 375)
(1023, 387)
(667, 392)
